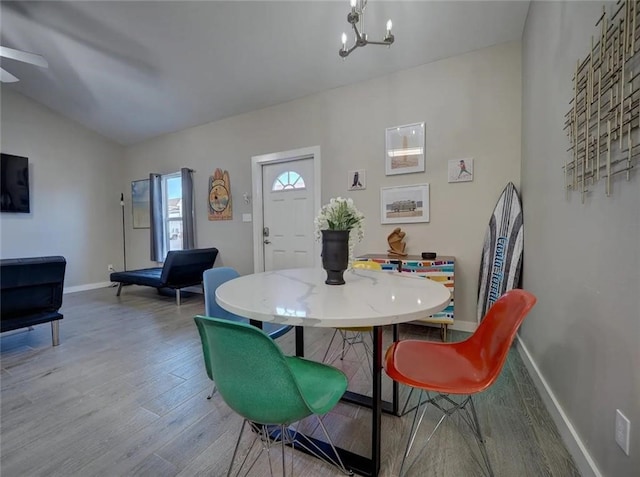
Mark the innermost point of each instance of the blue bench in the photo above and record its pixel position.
(31, 293)
(182, 268)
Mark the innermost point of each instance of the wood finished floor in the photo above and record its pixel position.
(125, 394)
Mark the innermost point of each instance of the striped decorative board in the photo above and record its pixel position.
(501, 262)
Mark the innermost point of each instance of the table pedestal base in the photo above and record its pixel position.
(355, 463)
(358, 464)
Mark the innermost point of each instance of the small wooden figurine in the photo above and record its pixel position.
(396, 244)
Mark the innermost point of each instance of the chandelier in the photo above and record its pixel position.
(356, 19)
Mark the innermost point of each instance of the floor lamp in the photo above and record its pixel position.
(124, 243)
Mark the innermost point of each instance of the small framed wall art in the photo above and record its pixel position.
(460, 170)
(404, 204)
(404, 149)
(357, 180)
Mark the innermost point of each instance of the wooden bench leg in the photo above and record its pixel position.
(119, 289)
(55, 332)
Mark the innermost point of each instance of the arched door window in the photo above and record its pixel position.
(288, 180)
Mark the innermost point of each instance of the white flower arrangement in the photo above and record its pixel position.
(341, 214)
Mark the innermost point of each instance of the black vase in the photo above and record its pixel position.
(335, 255)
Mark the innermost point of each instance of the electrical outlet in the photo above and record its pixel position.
(110, 268)
(623, 429)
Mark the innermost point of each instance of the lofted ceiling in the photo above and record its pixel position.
(132, 70)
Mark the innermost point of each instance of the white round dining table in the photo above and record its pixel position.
(299, 297)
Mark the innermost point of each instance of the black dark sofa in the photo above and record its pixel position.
(182, 268)
(31, 293)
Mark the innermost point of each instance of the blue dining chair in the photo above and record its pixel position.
(212, 279)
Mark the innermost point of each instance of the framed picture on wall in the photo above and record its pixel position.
(460, 170)
(140, 204)
(404, 204)
(357, 180)
(404, 149)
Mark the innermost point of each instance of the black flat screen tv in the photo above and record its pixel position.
(14, 183)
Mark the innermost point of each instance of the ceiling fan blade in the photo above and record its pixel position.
(23, 56)
(6, 77)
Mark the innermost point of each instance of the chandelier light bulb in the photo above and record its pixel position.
(355, 18)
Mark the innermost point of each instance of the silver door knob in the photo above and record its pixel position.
(267, 241)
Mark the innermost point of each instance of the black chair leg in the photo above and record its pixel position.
(213, 391)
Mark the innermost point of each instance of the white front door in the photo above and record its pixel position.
(288, 213)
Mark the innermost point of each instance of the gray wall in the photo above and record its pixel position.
(582, 260)
(75, 211)
(471, 108)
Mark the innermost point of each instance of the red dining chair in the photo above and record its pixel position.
(464, 368)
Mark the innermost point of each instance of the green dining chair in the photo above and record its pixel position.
(268, 389)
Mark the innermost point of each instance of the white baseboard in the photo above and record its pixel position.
(93, 286)
(457, 325)
(88, 286)
(194, 289)
(467, 326)
(572, 440)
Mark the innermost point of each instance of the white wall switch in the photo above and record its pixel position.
(246, 217)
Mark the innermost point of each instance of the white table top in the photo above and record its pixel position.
(300, 297)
